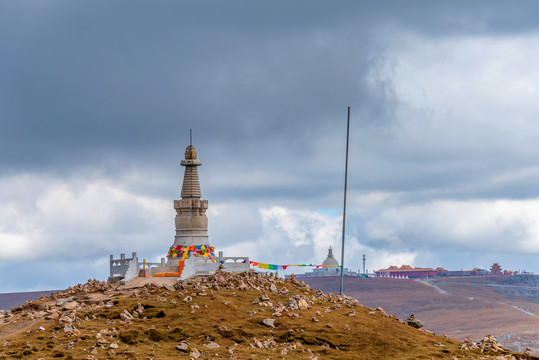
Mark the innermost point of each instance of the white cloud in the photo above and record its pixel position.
(14, 246)
(446, 73)
(465, 113)
(301, 227)
(77, 218)
(386, 259)
(232, 223)
(490, 225)
(297, 236)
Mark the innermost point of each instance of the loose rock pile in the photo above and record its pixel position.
(486, 344)
(278, 302)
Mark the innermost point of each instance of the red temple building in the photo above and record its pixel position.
(496, 269)
(406, 271)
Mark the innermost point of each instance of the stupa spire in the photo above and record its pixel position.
(191, 185)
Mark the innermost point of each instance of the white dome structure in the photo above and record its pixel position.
(330, 260)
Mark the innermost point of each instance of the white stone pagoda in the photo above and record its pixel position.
(191, 220)
(191, 253)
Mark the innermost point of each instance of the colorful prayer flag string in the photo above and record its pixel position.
(183, 251)
(283, 267)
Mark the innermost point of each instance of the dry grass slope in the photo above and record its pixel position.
(458, 307)
(215, 318)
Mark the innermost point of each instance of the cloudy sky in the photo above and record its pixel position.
(97, 98)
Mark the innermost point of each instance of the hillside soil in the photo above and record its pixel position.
(225, 316)
(506, 307)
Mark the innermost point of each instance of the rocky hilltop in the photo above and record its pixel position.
(242, 316)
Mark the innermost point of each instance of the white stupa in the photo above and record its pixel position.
(191, 253)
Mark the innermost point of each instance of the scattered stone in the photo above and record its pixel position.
(257, 343)
(113, 345)
(302, 304)
(68, 328)
(468, 344)
(269, 322)
(314, 319)
(298, 302)
(415, 322)
(273, 288)
(263, 300)
(212, 345)
(329, 325)
(381, 310)
(351, 313)
(72, 305)
(61, 302)
(195, 353)
(243, 286)
(183, 346)
(489, 343)
(269, 343)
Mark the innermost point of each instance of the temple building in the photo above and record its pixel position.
(496, 269)
(405, 272)
(330, 268)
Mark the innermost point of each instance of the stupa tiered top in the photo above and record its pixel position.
(191, 185)
(191, 220)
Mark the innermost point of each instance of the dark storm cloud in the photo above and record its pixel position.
(87, 82)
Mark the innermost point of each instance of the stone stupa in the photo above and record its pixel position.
(191, 253)
(191, 228)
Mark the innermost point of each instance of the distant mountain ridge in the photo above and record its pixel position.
(9, 300)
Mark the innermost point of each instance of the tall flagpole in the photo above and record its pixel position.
(344, 209)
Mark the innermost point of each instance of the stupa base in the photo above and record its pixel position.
(191, 267)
